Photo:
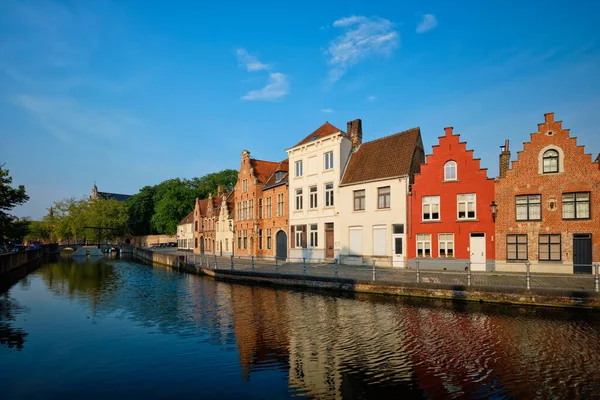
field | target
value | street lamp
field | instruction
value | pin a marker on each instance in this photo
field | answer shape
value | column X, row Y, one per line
column 494, row 209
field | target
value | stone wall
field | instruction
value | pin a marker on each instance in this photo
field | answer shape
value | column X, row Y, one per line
column 10, row 261
column 146, row 241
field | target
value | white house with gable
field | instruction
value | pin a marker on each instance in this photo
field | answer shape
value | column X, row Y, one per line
column 373, row 199
column 224, row 226
column 316, row 164
column 185, row 233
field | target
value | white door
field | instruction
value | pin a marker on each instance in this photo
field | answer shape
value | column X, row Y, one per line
column 477, row 248
column 398, row 244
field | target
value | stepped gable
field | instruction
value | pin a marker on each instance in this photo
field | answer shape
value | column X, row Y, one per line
column 272, row 180
column 323, row 131
column 383, row 158
column 453, row 139
column 551, row 132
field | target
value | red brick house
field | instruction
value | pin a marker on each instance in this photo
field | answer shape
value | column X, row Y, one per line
column 206, row 216
column 261, row 208
column 548, row 209
column 451, row 222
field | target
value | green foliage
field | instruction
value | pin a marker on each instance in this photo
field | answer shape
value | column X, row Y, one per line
column 10, row 227
column 38, row 231
column 158, row 209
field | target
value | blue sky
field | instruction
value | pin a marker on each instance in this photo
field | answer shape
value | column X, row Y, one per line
column 130, row 93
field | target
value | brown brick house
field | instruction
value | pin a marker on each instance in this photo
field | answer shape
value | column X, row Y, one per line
column 261, row 202
column 206, row 215
column 548, row 209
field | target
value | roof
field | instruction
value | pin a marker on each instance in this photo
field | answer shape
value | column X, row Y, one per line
column 202, row 204
column 272, row 180
column 383, row 158
column 113, row 196
column 598, row 158
column 323, row 131
column 188, row 219
column 263, row 169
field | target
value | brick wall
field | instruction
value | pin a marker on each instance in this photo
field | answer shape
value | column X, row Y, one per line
column 577, row 173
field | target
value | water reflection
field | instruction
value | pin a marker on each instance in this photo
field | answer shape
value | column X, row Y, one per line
column 321, row 345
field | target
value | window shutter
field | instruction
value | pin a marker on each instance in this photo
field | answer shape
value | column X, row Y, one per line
column 356, row 241
column 303, row 236
column 293, row 243
column 379, row 241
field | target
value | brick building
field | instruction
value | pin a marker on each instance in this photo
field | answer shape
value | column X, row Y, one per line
column 206, row 215
column 261, row 208
column 451, row 220
column 548, row 211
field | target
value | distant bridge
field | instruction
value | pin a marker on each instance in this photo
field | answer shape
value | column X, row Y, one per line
column 56, row 248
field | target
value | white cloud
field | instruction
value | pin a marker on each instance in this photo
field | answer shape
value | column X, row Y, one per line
column 249, row 61
column 371, row 98
column 327, row 110
column 277, row 87
column 428, row 22
column 363, row 38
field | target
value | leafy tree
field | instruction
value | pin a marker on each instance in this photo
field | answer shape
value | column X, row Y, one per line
column 209, row 183
column 140, row 209
column 38, row 231
column 9, row 198
column 174, row 199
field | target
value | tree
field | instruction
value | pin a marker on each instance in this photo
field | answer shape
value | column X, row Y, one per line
column 140, row 209
column 38, row 231
column 9, row 198
column 173, row 200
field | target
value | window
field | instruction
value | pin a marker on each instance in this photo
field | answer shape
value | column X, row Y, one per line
column 280, row 210
column 446, row 244
column 431, row 208
column 529, row 207
column 359, row 200
column 279, row 176
column 250, row 209
column 196, row 228
column 549, row 248
column 398, row 228
column 356, row 241
column 312, row 197
column 244, row 186
column 329, row 195
column 260, row 204
column 245, row 239
column 516, row 247
column 466, row 206
column 268, row 239
column 226, row 244
column 239, row 240
column 550, row 161
column 423, row 245
column 269, row 211
column 196, row 242
column 260, row 239
column 450, row 171
column 298, row 168
column 576, row 205
column 380, row 236
column 383, row 197
column 298, row 236
column 298, row 199
column 239, row 211
column 314, row 236
column 329, row 160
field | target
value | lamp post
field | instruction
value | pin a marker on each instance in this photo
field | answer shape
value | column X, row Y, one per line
column 494, row 209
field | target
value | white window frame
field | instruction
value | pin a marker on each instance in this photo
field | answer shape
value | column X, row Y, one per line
column 449, row 166
column 422, row 240
column 443, row 240
column 386, row 197
column 329, row 194
column 299, row 199
column 269, row 208
column 244, row 186
column 298, row 229
column 328, row 160
column 314, row 236
column 430, row 201
column 280, row 205
column 313, row 193
column 298, row 168
column 466, row 201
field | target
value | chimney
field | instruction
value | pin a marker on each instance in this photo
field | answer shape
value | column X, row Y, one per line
column 354, row 131
column 504, row 159
column 448, row 130
column 220, row 191
column 598, row 160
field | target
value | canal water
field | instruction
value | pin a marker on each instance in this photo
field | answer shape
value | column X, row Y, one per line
column 118, row 329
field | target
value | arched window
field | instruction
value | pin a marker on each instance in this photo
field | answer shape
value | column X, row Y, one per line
column 450, row 171
column 550, row 161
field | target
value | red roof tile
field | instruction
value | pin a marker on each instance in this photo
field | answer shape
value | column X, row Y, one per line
column 323, row 131
column 263, row 169
column 188, row 219
column 282, row 167
column 383, row 158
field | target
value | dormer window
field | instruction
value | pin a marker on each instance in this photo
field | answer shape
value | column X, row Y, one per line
column 450, row 171
column 550, row 161
column 279, row 175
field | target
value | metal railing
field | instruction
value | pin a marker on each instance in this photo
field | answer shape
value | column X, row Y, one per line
column 324, row 268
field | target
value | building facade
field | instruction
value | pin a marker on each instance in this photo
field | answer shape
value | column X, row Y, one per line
column 185, row 232
column 316, row 164
column 372, row 199
column 451, row 221
column 224, row 228
column 548, row 212
column 260, row 208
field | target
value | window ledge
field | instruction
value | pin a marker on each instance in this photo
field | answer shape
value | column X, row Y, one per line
column 450, row 180
column 431, row 221
column 359, row 211
column 517, row 261
column 383, row 209
column 468, row 220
